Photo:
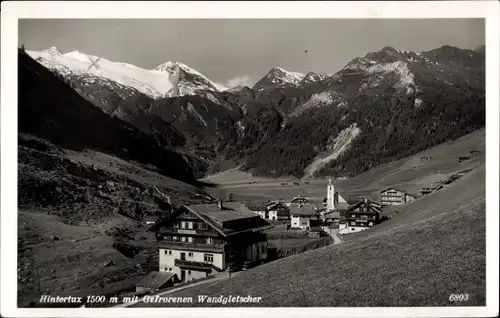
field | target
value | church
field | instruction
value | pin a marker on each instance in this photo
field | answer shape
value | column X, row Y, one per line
column 334, row 205
column 334, row 201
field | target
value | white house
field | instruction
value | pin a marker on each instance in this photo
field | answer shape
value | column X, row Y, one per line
column 203, row 239
column 303, row 216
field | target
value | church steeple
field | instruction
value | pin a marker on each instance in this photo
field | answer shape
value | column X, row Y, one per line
column 330, row 196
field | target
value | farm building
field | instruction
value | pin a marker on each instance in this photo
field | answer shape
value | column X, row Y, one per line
column 393, row 196
column 278, row 211
column 274, row 211
column 155, row 281
column 435, row 187
column 332, row 217
column 462, row 158
column 261, row 210
column 299, row 200
column 304, row 216
column 361, row 216
column 197, row 240
column 314, row 232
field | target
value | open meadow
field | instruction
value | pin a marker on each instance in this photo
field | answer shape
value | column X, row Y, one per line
column 411, row 174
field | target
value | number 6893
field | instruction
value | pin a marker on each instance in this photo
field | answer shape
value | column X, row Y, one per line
column 458, row 297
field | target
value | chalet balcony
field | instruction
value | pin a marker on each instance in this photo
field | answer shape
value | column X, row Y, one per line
column 197, row 266
column 188, row 246
column 191, row 232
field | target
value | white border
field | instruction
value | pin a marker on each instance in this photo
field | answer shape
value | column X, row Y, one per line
column 12, row 11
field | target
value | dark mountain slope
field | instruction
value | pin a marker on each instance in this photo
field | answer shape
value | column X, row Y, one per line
column 378, row 108
column 401, row 103
column 50, row 109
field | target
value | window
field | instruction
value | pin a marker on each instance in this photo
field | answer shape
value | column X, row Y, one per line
column 190, row 239
column 166, row 252
column 190, row 254
column 190, row 225
column 183, row 225
column 353, row 223
column 167, row 269
column 210, row 240
column 208, row 258
column 370, row 224
column 189, row 272
column 174, row 238
column 170, row 269
column 169, row 252
column 183, row 239
column 352, row 229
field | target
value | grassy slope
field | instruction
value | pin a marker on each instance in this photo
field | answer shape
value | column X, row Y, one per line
column 410, row 173
column 73, row 264
column 68, row 265
column 434, row 247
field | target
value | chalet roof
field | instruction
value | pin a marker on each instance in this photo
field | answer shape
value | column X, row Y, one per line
column 233, row 218
column 230, row 211
column 299, row 198
column 332, row 214
column 315, row 229
column 399, row 189
column 256, row 207
column 370, row 205
column 275, row 205
column 303, row 210
column 155, row 280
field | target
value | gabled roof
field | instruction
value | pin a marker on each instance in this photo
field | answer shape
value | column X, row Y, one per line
column 275, row 205
column 155, row 280
column 303, row 210
column 230, row 211
column 398, row 189
column 372, row 207
column 299, row 198
column 233, row 218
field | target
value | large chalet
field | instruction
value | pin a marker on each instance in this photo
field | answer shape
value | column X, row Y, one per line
column 393, row 196
column 200, row 240
column 360, row 216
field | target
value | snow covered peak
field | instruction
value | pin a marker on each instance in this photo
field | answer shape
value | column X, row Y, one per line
column 312, row 77
column 278, row 77
column 165, row 67
column 286, row 75
column 166, row 80
column 52, row 51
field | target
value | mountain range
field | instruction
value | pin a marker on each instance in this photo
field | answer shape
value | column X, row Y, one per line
column 387, row 104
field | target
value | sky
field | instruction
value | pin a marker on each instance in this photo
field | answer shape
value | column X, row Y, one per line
column 241, row 51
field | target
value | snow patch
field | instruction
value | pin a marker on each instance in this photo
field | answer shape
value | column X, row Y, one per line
column 406, row 78
column 418, row 102
column 335, row 148
column 318, row 100
column 193, row 111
